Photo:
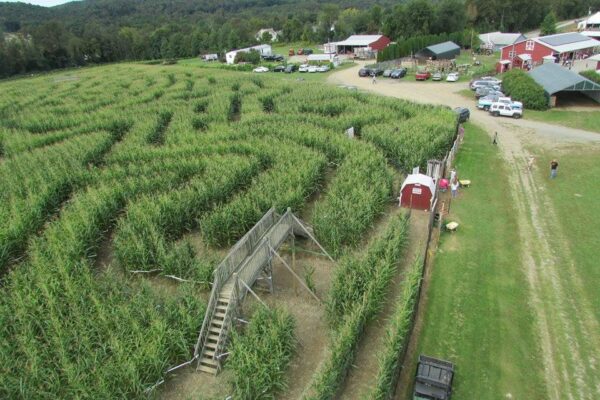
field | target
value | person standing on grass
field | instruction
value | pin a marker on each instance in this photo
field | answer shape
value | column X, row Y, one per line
column 495, row 141
column 553, row 169
column 453, row 175
column 454, row 187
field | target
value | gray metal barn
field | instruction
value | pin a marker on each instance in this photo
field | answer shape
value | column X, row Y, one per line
column 557, row 80
column 440, row 51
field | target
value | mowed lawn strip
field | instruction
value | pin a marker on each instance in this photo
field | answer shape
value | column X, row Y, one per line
column 574, row 196
column 586, row 120
column 477, row 314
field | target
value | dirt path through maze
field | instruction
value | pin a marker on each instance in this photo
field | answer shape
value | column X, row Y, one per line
column 568, row 330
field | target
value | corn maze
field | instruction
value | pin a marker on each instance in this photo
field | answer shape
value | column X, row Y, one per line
column 120, row 165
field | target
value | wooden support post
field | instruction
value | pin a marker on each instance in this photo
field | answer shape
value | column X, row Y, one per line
column 253, row 294
column 312, row 238
column 295, row 275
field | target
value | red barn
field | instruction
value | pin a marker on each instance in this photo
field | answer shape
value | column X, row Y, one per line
column 357, row 43
column 418, row 192
column 562, row 46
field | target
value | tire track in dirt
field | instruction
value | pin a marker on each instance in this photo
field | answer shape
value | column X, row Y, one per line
column 566, row 324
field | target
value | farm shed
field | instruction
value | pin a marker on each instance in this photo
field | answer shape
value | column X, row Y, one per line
column 263, row 49
column 495, row 41
column 418, row 192
column 440, row 51
column 358, row 43
column 563, row 46
column 591, row 26
column 558, row 81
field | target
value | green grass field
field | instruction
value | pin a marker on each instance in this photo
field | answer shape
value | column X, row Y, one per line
column 586, row 120
column 477, row 314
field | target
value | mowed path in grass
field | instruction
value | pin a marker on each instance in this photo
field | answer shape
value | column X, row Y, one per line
column 478, row 313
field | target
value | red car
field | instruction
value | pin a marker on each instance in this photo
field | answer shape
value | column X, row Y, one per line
column 423, row 75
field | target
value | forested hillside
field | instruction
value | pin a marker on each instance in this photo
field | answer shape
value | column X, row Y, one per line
column 96, row 31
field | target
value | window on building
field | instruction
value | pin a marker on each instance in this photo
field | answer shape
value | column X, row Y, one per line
column 512, row 54
column 529, row 45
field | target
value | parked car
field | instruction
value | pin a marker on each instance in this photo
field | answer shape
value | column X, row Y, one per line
column 437, row 76
column 290, row 68
column 433, row 380
column 307, row 52
column 506, row 110
column 312, row 68
column 364, row 72
column 398, row 73
column 491, row 78
column 485, row 83
column 485, row 102
column 261, row 69
column 279, row 68
column 452, row 77
column 463, row 114
column 387, row 73
column 376, row 71
column 273, row 57
column 303, row 68
column 323, row 68
column 423, row 75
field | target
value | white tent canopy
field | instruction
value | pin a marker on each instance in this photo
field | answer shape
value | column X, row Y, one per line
column 420, row 179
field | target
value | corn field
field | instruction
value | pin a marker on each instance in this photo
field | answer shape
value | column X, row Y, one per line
column 114, row 169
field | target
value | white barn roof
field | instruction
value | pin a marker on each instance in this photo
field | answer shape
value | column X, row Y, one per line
column 565, row 42
column 359, row 40
column 500, row 39
column 420, row 179
column 593, row 19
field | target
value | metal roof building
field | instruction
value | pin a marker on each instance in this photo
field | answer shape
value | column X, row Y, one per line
column 555, row 79
column 566, row 42
column 497, row 40
column 440, row 51
column 591, row 26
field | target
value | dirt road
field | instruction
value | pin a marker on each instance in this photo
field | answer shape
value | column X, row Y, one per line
column 567, row 327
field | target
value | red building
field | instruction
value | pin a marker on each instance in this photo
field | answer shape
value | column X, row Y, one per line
column 418, row 192
column 530, row 52
column 362, row 42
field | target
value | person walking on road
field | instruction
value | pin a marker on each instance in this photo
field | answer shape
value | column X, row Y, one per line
column 495, row 141
column 553, row 169
column 374, row 78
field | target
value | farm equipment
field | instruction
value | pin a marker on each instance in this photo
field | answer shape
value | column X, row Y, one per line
column 434, row 379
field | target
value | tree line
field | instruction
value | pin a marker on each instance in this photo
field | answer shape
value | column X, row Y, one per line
column 82, row 33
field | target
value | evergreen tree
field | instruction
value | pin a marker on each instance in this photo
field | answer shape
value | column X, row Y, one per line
column 548, row 25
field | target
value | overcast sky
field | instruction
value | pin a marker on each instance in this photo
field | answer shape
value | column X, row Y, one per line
column 45, row 3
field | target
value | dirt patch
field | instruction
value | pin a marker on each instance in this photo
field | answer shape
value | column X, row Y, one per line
column 364, row 370
column 187, row 384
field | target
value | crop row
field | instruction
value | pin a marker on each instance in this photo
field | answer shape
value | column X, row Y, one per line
column 36, row 183
column 260, row 355
column 357, row 293
column 398, row 333
column 66, row 333
column 145, row 237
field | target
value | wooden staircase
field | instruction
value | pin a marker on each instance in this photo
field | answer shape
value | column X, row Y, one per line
column 218, row 332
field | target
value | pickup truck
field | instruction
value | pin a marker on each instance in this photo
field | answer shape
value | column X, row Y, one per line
column 434, row 379
column 423, row 75
column 486, row 102
column 514, row 109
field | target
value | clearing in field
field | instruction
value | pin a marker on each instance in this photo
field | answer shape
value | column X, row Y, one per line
column 159, row 170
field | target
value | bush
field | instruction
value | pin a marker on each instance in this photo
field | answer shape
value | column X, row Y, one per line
column 591, row 75
column 520, row 86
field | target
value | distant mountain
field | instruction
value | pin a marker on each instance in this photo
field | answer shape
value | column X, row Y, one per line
column 146, row 13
